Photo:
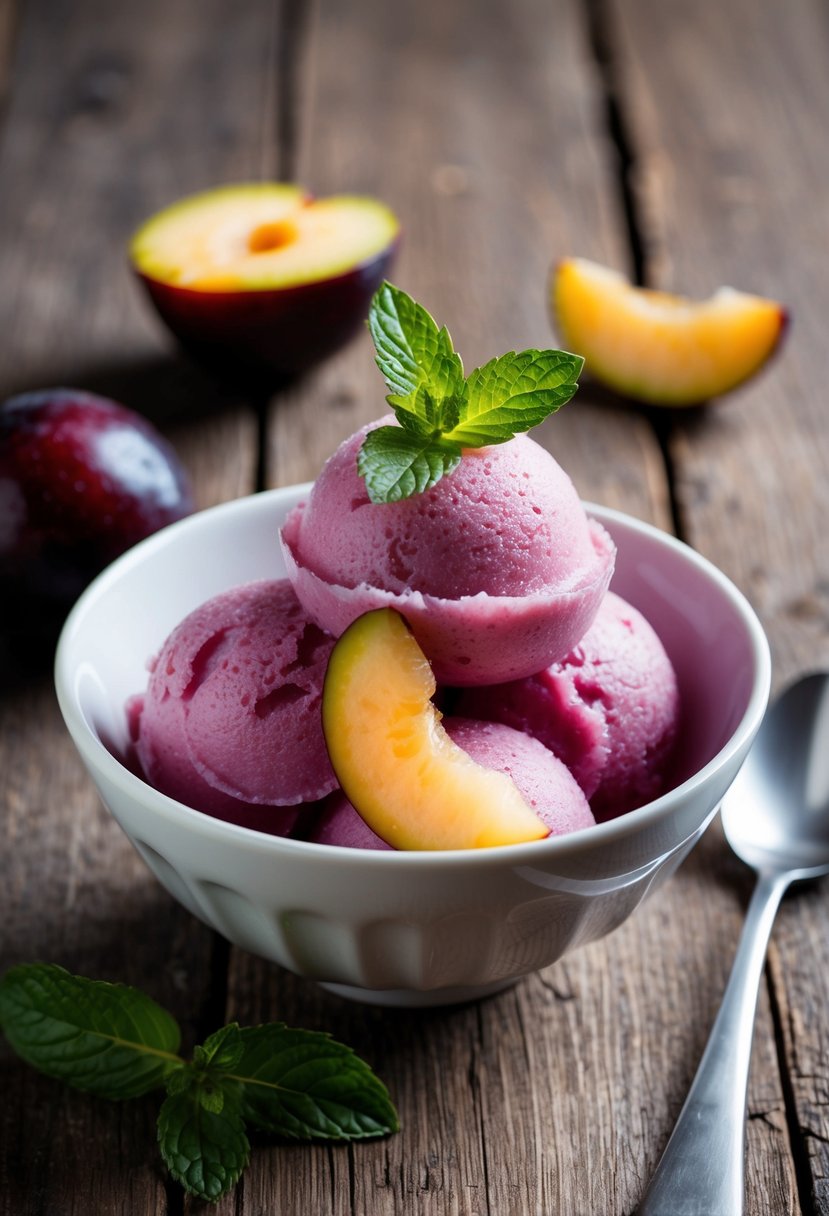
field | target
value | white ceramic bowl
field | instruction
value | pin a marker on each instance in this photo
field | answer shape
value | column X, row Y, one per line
column 407, row 928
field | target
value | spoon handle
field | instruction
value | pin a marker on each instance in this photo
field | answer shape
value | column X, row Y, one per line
column 701, row 1170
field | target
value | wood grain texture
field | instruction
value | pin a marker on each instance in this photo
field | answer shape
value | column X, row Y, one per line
column 8, row 9
column 725, row 123
column 557, row 1095
column 485, row 127
column 437, row 122
column 106, row 121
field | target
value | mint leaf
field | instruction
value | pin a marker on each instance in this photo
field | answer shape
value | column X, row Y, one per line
column 513, row 393
column 412, row 353
column 397, row 462
column 204, row 1149
column 301, row 1084
column 117, row 1043
column 221, row 1050
column 439, row 411
column 106, row 1038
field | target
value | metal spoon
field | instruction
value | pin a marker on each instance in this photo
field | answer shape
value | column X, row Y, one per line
column 776, row 818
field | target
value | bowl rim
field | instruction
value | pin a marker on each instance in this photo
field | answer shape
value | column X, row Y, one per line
column 584, row 840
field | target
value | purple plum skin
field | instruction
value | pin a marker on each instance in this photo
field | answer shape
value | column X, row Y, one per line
column 82, row 478
column 269, row 336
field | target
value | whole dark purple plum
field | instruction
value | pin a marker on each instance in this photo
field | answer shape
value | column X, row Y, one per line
column 82, row 478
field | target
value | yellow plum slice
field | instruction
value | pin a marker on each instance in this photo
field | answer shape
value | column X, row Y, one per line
column 413, row 786
column 660, row 348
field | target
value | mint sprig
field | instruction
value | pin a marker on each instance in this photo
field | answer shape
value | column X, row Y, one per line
column 116, row 1042
column 439, row 410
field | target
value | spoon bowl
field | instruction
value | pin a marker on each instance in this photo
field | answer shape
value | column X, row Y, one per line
column 776, row 814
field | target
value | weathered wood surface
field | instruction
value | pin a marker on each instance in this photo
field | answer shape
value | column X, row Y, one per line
column 725, row 123
column 94, row 89
column 487, row 128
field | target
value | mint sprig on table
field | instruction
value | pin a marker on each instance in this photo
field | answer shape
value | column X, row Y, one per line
column 114, row 1041
column 440, row 410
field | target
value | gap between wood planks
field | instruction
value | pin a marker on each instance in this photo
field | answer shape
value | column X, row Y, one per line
column 291, row 22
column 599, row 23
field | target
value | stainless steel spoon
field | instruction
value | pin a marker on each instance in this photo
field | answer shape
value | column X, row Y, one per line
column 776, row 818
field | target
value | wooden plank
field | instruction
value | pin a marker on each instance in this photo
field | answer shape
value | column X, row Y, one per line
column 436, row 124
column 554, row 1096
column 7, row 27
column 726, row 104
column 112, row 113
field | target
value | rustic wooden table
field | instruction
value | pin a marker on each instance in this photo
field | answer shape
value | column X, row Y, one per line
column 684, row 142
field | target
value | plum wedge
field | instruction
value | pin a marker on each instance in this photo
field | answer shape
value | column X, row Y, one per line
column 660, row 348
column 397, row 765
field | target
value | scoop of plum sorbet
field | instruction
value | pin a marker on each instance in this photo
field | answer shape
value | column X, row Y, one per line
column 231, row 716
column 609, row 709
column 496, row 567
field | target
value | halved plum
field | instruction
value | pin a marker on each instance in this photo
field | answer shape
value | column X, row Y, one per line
column 261, row 280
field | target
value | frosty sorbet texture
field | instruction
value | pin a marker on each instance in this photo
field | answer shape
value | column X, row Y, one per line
column 231, row 717
column 609, row 709
column 496, row 568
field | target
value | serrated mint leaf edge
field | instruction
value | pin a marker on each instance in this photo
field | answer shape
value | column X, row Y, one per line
column 170, row 1125
column 500, row 406
column 267, row 1101
column 47, row 1051
column 398, row 325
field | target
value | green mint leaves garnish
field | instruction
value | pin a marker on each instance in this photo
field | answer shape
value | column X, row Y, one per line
column 204, row 1149
column 439, row 410
column 106, row 1038
column 117, row 1043
column 397, row 462
column 302, row 1085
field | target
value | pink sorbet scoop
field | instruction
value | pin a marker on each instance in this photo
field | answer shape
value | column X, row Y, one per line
column 231, row 717
column 609, row 709
column 496, row 568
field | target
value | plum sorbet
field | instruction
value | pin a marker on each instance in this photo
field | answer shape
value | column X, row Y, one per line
column 609, row 709
column 231, row 716
column 497, row 568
